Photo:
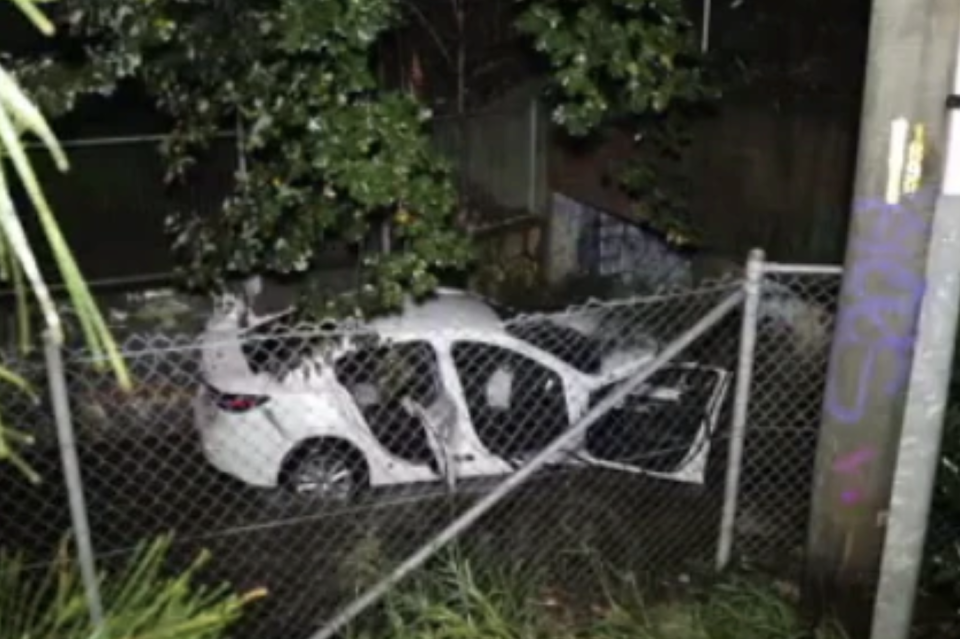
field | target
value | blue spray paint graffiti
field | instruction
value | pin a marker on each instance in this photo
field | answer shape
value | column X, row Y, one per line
column 876, row 333
column 885, row 292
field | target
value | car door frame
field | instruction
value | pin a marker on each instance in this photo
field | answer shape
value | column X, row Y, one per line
column 418, row 473
column 575, row 386
column 692, row 468
column 578, row 388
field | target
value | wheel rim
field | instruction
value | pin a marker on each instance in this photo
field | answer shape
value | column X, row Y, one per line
column 324, row 478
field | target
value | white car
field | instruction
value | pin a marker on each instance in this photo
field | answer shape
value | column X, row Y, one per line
column 442, row 392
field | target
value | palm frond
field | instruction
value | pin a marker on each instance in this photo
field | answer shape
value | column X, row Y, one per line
column 19, row 117
column 141, row 602
column 35, row 15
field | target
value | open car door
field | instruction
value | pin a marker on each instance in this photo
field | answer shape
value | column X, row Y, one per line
column 665, row 427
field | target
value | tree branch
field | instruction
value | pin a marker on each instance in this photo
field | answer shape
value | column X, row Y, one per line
column 422, row 18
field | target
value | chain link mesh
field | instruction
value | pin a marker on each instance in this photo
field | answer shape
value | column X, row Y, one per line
column 936, row 606
column 794, row 331
column 35, row 513
column 310, row 459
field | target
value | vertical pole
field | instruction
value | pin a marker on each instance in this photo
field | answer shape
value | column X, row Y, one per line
column 241, row 149
column 909, row 63
column 73, row 479
column 741, row 404
column 919, row 453
column 533, row 172
column 386, row 238
column 705, row 29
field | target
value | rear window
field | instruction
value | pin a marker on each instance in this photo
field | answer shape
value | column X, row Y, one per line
column 389, row 372
column 275, row 346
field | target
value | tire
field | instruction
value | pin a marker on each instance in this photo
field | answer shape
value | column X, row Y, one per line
column 326, row 471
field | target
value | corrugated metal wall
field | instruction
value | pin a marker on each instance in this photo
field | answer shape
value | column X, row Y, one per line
column 503, row 150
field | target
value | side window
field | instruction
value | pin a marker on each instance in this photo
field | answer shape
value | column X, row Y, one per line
column 380, row 379
column 275, row 348
column 387, row 374
column 516, row 404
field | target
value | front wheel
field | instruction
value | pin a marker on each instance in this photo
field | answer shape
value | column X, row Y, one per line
column 328, row 472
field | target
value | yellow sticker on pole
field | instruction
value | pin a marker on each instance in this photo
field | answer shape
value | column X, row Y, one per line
column 915, row 152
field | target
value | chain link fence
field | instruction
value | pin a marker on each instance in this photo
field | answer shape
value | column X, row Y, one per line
column 793, row 331
column 326, row 462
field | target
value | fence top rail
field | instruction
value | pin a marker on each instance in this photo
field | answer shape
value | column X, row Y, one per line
column 119, row 140
column 657, row 313
column 136, row 282
column 802, row 269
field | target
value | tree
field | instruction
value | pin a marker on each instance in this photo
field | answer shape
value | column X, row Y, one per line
column 631, row 64
column 625, row 66
column 332, row 156
column 614, row 59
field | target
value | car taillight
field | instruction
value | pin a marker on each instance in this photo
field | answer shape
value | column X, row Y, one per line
column 234, row 403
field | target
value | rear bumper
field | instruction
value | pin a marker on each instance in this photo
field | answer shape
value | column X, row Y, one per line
column 248, row 446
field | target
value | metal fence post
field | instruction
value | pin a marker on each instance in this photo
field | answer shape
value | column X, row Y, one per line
column 533, row 157
column 71, row 472
column 741, row 402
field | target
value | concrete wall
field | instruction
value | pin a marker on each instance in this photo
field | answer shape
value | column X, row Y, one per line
column 586, row 241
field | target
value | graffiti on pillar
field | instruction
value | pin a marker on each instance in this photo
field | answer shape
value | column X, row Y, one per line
column 851, row 463
column 876, row 333
column 852, row 467
column 885, row 285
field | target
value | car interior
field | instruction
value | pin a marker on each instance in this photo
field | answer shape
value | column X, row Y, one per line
column 517, row 405
column 382, row 380
column 651, row 432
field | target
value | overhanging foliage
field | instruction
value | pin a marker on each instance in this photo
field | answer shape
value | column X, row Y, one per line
column 331, row 155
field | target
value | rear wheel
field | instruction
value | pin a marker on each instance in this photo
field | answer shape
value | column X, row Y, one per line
column 325, row 471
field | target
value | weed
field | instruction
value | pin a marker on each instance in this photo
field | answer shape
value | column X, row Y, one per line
column 462, row 599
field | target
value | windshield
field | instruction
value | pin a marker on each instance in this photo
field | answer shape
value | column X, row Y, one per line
column 566, row 344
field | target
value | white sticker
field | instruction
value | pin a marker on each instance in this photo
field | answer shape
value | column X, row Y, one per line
column 899, row 130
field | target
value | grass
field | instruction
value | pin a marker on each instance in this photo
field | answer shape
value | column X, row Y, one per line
column 460, row 599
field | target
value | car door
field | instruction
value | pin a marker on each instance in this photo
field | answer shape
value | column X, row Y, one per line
column 398, row 388
column 665, row 427
column 517, row 405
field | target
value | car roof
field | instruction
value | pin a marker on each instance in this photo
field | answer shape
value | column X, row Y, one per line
column 446, row 310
